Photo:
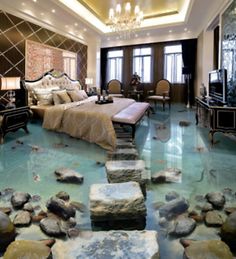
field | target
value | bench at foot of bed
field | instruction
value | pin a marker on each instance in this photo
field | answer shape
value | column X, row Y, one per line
column 131, row 115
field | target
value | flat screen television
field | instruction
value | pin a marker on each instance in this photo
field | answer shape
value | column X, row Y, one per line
column 218, row 85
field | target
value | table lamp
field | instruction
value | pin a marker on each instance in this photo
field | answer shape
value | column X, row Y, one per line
column 88, row 82
column 9, row 84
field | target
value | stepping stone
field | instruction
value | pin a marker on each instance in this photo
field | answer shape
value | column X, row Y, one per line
column 67, row 175
column 123, row 154
column 116, row 201
column 170, row 175
column 121, row 171
column 109, row 244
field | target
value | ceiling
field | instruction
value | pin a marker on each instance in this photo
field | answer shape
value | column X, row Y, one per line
column 85, row 20
column 150, row 8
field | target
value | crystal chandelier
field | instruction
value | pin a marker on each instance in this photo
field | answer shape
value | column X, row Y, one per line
column 125, row 22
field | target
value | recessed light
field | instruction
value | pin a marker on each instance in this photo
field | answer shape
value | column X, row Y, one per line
column 136, row 35
column 85, row 29
column 108, row 38
column 76, row 24
column 23, row 4
column 185, row 29
column 35, row 1
column 170, row 31
column 42, row 14
column 66, row 26
column 53, row 10
column 148, row 34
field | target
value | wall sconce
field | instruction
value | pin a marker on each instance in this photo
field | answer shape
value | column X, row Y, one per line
column 9, row 84
column 88, row 82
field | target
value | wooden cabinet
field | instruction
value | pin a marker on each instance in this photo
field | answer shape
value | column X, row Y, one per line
column 215, row 117
column 13, row 119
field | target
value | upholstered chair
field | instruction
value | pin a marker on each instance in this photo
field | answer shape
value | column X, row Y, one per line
column 114, row 88
column 161, row 93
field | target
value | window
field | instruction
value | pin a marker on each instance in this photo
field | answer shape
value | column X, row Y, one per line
column 173, row 64
column 142, row 63
column 114, row 65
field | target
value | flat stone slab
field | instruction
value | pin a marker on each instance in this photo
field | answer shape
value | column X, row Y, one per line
column 110, row 244
column 123, row 154
column 120, row 171
column 170, row 175
column 68, row 175
column 116, row 201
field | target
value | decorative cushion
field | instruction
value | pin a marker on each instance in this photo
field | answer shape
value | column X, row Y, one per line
column 64, row 97
column 55, row 97
column 75, row 95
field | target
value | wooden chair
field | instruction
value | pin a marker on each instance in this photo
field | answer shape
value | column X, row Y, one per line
column 114, row 88
column 161, row 93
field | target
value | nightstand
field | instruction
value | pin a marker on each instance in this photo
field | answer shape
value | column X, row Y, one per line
column 13, row 119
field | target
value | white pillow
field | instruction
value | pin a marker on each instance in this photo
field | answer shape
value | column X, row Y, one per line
column 43, row 96
column 83, row 93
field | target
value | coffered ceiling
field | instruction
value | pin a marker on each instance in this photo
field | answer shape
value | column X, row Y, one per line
column 151, row 8
column 86, row 20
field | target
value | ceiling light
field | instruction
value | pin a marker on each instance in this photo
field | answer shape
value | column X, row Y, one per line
column 42, row 14
column 53, row 10
column 170, row 31
column 23, row 4
column 148, row 34
column 66, row 26
column 85, row 29
column 124, row 21
column 76, row 24
column 35, row 1
column 185, row 29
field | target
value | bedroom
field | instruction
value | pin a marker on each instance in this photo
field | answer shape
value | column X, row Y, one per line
column 160, row 140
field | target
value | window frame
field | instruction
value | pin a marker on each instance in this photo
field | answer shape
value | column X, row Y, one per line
column 174, row 67
column 142, row 61
column 117, row 59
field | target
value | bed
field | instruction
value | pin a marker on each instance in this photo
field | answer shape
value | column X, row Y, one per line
column 82, row 117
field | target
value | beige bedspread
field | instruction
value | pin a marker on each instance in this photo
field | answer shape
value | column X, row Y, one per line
column 88, row 121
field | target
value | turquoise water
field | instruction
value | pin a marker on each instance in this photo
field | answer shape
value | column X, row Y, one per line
column 161, row 142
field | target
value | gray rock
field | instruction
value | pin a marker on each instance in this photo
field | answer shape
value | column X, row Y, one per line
column 7, row 231
column 116, row 201
column 163, row 222
column 18, row 199
column 170, row 175
column 28, row 207
column 111, row 244
column 213, row 219
column 157, row 205
column 228, row 231
column 174, row 208
column 171, row 196
column 207, row 207
column 217, row 199
column 183, row 226
column 51, row 227
column 63, row 195
column 207, row 249
column 27, row 249
column 120, row 171
column 68, row 176
column 60, row 208
column 123, row 154
column 22, row 219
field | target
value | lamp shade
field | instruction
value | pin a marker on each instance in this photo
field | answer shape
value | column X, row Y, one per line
column 88, row 81
column 10, row 83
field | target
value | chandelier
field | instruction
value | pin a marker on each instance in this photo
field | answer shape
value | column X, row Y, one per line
column 126, row 21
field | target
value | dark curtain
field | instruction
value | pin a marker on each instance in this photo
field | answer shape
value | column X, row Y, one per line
column 189, row 52
column 103, row 68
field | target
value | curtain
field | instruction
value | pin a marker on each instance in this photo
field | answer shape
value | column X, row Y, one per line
column 189, row 51
column 103, row 68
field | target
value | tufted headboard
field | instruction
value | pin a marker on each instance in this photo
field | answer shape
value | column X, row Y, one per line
column 48, row 81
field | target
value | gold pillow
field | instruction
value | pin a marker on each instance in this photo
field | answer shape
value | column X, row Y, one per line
column 75, row 95
column 64, row 97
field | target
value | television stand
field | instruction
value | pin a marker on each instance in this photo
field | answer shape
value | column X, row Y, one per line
column 215, row 116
